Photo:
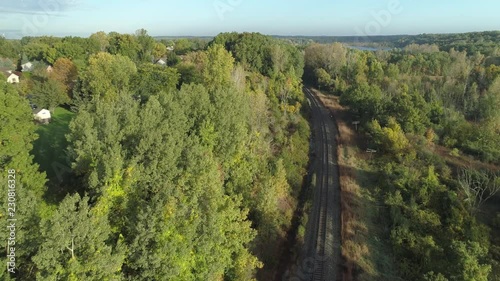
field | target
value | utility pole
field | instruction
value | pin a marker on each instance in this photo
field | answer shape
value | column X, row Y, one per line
column 371, row 152
column 356, row 123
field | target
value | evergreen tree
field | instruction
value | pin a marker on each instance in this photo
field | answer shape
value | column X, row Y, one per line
column 17, row 134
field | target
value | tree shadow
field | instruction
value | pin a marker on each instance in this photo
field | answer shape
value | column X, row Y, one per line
column 50, row 153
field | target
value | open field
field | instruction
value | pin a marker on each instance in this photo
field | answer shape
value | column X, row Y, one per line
column 49, row 148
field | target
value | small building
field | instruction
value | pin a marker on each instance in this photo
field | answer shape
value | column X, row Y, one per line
column 27, row 67
column 161, row 62
column 12, row 77
column 42, row 115
column 170, row 48
column 49, row 69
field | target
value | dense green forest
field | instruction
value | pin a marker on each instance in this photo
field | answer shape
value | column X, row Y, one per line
column 419, row 107
column 192, row 170
column 485, row 43
column 184, row 171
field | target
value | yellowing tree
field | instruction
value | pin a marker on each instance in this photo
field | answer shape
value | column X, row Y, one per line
column 391, row 138
column 218, row 67
column 65, row 72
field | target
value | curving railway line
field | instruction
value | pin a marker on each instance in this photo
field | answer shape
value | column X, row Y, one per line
column 322, row 245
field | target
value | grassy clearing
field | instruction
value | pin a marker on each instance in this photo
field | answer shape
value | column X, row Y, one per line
column 365, row 245
column 49, row 148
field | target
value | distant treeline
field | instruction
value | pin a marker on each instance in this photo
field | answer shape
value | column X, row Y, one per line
column 482, row 42
column 472, row 42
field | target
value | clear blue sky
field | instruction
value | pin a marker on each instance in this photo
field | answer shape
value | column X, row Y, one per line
column 278, row 17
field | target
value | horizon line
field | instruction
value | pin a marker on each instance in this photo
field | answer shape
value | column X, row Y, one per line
column 273, row 35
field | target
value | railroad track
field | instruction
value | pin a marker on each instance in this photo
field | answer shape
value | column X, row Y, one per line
column 324, row 242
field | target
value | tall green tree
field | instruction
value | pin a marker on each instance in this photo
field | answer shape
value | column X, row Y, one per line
column 146, row 45
column 77, row 245
column 107, row 76
column 218, row 67
column 8, row 48
column 153, row 79
column 49, row 94
column 324, row 79
column 151, row 159
column 331, row 58
column 124, row 44
column 17, row 134
column 98, row 42
column 468, row 256
column 390, row 139
column 159, row 50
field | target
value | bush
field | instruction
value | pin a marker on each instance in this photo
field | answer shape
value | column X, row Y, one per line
column 496, row 221
column 455, row 152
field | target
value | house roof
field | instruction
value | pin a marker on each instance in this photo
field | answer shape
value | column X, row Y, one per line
column 27, row 66
column 38, row 110
column 9, row 73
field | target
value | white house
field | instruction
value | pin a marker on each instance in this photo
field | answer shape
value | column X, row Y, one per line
column 161, row 62
column 49, row 69
column 170, row 49
column 42, row 115
column 12, row 78
column 27, row 66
